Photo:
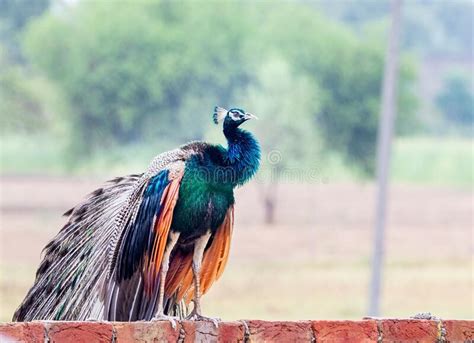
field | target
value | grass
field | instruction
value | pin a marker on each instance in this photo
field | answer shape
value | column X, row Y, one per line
column 294, row 291
column 433, row 161
column 38, row 154
column 416, row 160
column 46, row 155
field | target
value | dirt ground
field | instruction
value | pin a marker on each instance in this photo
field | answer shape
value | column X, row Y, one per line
column 314, row 263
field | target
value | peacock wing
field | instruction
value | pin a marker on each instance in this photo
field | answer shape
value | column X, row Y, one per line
column 132, row 289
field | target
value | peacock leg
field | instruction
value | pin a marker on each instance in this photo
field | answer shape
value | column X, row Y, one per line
column 172, row 239
column 198, row 254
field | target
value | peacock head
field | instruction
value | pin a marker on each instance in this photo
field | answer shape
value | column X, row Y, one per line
column 233, row 117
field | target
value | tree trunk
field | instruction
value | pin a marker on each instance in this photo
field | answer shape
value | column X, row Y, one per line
column 269, row 203
column 269, row 199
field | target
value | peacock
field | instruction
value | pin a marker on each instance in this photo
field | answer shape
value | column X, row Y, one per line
column 143, row 246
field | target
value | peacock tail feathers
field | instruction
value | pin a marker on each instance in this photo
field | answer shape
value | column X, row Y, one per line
column 67, row 284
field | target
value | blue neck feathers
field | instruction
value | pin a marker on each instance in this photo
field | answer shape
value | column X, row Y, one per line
column 243, row 153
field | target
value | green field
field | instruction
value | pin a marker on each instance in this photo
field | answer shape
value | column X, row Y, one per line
column 416, row 160
column 436, row 161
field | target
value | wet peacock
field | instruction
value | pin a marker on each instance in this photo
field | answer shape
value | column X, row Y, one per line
column 144, row 246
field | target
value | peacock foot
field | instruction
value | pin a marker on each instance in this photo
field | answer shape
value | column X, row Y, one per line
column 164, row 317
column 197, row 317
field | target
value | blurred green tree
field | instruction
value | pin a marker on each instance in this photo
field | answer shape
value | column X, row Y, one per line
column 150, row 71
column 22, row 93
column 348, row 71
column 23, row 108
column 456, row 102
column 14, row 16
column 431, row 28
column 286, row 130
column 129, row 70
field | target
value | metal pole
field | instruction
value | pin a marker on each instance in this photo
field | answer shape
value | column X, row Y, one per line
column 384, row 142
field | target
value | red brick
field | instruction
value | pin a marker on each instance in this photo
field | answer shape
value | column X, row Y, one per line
column 345, row 331
column 259, row 331
column 231, row 332
column 207, row 332
column 263, row 331
column 459, row 330
column 199, row 331
column 394, row 330
column 22, row 332
column 79, row 332
column 158, row 331
column 188, row 330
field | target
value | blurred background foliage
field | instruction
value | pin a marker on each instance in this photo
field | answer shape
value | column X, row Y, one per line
column 110, row 83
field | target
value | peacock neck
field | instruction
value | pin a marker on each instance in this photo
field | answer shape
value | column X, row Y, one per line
column 242, row 155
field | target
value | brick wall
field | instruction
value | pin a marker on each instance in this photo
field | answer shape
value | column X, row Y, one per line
column 386, row 330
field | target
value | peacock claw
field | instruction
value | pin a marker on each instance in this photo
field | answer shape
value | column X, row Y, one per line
column 164, row 317
column 197, row 317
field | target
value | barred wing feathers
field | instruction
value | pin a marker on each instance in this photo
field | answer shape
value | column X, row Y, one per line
column 132, row 290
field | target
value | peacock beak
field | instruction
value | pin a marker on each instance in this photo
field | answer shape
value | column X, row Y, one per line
column 250, row 116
